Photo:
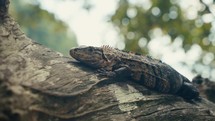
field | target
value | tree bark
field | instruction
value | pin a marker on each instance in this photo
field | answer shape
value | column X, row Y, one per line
column 38, row 84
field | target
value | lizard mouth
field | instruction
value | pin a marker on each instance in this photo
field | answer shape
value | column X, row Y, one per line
column 72, row 53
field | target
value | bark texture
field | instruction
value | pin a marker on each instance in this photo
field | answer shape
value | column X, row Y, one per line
column 38, row 84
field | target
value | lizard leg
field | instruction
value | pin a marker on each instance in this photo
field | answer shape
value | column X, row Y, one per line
column 188, row 91
column 106, row 73
column 121, row 72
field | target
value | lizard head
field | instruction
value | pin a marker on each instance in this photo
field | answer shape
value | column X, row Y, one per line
column 91, row 56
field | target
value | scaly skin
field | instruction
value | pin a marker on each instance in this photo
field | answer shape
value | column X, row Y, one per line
column 149, row 72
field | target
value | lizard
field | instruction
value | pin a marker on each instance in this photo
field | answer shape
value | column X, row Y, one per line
column 145, row 70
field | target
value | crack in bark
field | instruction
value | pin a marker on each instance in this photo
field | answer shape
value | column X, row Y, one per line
column 164, row 110
column 24, row 47
column 76, row 115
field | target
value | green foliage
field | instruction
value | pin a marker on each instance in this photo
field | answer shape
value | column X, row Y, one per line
column 42, row 26
column 136, row 21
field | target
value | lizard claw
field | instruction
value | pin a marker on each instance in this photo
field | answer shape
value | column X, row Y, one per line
column 106, row 73
column 101, row 70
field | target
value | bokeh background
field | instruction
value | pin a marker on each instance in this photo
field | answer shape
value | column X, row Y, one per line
column 179, row 32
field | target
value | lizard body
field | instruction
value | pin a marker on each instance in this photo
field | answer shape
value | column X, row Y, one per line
column 145, row 70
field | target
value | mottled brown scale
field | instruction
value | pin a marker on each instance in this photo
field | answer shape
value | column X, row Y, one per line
column 144, row 70
column 151, row 75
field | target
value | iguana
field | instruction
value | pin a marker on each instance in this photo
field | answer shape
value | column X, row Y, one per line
column 144, row 70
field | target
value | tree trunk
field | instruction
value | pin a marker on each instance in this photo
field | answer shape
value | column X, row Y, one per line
column 38, row 84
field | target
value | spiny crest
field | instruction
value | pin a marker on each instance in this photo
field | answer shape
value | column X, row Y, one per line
column 108, row 52
column 107, row 48
column 132, row 53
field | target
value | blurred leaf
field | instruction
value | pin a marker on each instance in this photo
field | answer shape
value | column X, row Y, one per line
column 42, row 26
